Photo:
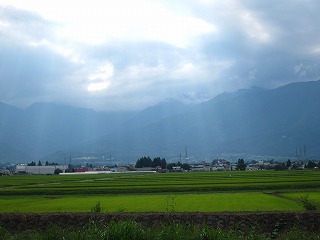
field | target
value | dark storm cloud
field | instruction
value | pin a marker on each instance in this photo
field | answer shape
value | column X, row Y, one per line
column 291, row 40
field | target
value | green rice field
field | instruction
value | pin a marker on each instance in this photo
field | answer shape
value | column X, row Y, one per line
column 166, row 192
column 209, row 202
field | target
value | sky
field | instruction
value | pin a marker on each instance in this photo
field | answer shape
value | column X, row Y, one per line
column 123, row 55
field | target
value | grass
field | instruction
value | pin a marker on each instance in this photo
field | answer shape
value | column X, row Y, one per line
column 173, row 192
column 211, row 202
column 131, row 230
column 310, row 201
column 313, row 196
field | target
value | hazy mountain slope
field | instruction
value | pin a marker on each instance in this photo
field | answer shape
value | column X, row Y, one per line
column 11, row 132
column 44, row 128
column 157, row 113
column 123, row 141
column 255, row 121
column 56, row 126
column 9, row 154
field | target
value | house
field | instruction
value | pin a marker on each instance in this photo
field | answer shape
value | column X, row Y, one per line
column 251, row 167
column 81, row 169
column 177, row 169
column 144, row 169
column 4, row 172
column 200, row 168
column 218, row 168
column 121, row 169
column 221, row 165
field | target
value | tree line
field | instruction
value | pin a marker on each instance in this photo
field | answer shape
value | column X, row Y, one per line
column 147, row 162
column 297, row 165
column 33, row 163
column 241, row 165
column 158, row 162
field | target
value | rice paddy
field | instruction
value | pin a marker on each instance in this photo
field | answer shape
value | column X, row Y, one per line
column 169, row 192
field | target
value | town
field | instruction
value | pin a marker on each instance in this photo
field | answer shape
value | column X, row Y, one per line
column 157, row 165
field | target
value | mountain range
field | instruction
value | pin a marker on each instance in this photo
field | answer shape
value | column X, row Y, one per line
column 278, row 122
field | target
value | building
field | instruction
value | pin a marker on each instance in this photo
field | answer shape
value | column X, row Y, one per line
column 176, row 169
column 204, row 167
column 221, row 165
column 24, row 169
column 4, row 172
column 120, row 169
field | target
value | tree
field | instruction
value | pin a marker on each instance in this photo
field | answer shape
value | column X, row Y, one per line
column 39, row 163
column 186, row 167
column 214, row 162
column 70, row 169
column 171, row 165
column 311, row 164
column 57, row 171
column 241, row 165
column 32, row 163
column 156, row 162
column 144, row 162
column 288, row 164
column 280, row 166
column 163, row 163
column 254, row 162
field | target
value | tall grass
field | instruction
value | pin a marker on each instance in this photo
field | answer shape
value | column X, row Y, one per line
column 130, row 230
column 97, row 208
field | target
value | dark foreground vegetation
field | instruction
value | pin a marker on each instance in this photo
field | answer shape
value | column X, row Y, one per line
column 275, row 225
column 132, row 230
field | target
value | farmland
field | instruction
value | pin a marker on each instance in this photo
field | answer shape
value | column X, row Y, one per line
column 142, row 192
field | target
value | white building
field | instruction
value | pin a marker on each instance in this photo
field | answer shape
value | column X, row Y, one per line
column 24, row 169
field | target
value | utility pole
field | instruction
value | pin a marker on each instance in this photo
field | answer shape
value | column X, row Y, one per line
column 70, row 160
column 186, row 152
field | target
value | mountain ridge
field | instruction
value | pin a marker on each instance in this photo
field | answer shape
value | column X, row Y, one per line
column 252, row 121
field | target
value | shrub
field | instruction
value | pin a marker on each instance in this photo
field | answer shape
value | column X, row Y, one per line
column 4, row 234
column 57, row 171
column 169, row 202
column 307, row 204
column 97, row 208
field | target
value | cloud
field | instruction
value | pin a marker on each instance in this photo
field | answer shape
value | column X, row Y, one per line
column 127, row 55
column 96, row 22
column 100, row 80
column 16, row 23
column 269, row 39
column 27, row 70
